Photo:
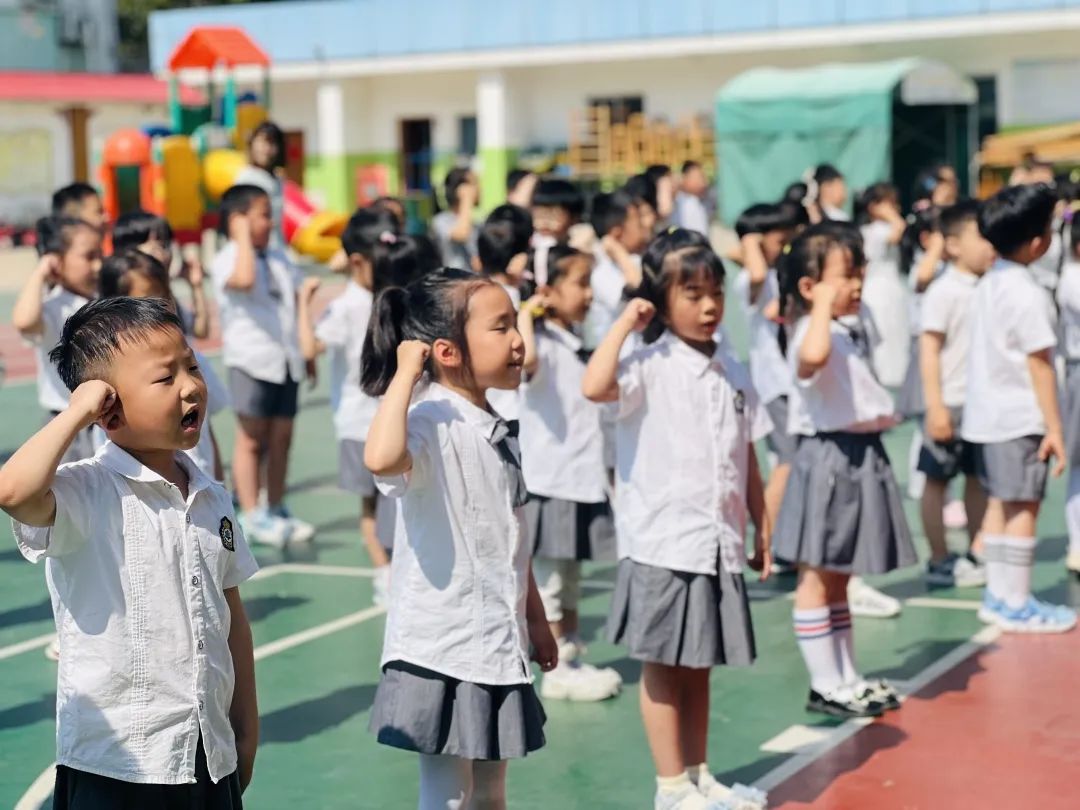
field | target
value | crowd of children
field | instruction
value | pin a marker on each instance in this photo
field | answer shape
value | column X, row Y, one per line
column 513, row 397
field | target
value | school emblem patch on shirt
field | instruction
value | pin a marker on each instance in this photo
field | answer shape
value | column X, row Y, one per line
column 225, row 532
column 740, row 402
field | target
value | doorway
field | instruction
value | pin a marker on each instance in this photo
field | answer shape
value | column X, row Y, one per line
column 416, row 155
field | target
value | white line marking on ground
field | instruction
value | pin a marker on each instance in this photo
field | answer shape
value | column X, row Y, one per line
column 798, row 739
column 42, row 787
column 25, row 646
column 947, row 604
column 835, row 736
column 39, row 792
column 317, row 570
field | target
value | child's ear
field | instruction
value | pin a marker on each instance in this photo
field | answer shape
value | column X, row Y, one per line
column 113, row 419
column 446, row 354
column 952, row 246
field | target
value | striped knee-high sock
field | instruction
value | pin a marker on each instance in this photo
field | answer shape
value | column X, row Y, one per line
column 813, row 631
column 843, row 641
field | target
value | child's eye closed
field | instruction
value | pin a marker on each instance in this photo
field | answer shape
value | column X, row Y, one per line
column 164, row 380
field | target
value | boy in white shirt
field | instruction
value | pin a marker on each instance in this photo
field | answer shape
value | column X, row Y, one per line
column 257, row 288
column 944, row 345
column 156, row 695
column 1012, row 406
column 690, row 211
column 620, row 241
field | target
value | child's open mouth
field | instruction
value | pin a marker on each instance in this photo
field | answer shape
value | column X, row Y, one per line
column 190, row 420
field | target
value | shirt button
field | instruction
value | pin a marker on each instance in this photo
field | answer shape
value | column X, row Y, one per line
column 200, row 704
column 195, row 581
column 188, row 519
column 200, row 644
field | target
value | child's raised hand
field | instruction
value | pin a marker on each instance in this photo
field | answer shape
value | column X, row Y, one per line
column 824, row 294
column 467, row 195
column 1053, row 444
column 191, row 269
column 309, row 287
column 537, row 305
column 48, row 269
column 545, row 650
column 935, row 243
column 411, row 357
column 771, row 311
column 240, row 228
column 614, row 248
column 638, row 314
column 93, row 401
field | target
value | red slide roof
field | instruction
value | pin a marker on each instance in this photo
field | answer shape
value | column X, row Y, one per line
column 210, row 46
column 89, row 88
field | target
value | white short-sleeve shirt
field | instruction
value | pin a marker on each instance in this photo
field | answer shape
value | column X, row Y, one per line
column 342, row 329
column 946, row 309
column 1009, row 322
column 461, row 564
column 562, row 445
column 690, row 213
column 607, row 283
column 58, row 306
column 877, row 245
column 137, row 577
column 844, row 395
column 1068, row 297
column 683, row 437
column 768, row 368
column 258, row 326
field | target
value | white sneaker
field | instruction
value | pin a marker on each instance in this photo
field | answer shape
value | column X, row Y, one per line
column 261, row 527
column 573, row 680
column 572, row 650
column 968, row 574
column 52, row 650
column 736, row 797
column 300, row 531
column 382, row 586
column 1072, row 562
column 686, row 799
column 866, row 601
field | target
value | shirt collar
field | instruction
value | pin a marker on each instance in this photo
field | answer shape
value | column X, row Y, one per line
column 695, row 360
column 123, row 463
column 563, row 336
column 490, row 426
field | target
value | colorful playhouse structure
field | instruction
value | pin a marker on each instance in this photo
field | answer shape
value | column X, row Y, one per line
column 180, row 171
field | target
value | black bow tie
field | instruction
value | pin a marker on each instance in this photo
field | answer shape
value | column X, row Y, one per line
column 504, row 428
column 504, row 440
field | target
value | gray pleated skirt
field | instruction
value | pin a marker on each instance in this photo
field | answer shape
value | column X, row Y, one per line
column 910, row 401
column 419, row 710
column 1071, row 414
column 842, row 509
column 681, row 619
column 565, row 530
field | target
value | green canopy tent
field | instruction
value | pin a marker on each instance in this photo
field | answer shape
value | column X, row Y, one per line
column 873, row 121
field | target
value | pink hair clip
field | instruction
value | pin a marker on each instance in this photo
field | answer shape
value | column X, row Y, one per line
column 388, row 238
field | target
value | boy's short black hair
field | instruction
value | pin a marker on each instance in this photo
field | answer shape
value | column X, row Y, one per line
column 56, row 234
column 66, row 200
column 519, row 218
column 1016, row 215
column 137, row 228
column 642, row 189
column 515, row 176
column 94, row 334
column 455, row 178
column 689, row 165
column 609, row 211
column 657, row 171
column 273, row 133
column 237, row 200
column 554, row 192
column 496, row 244
column 955, row 217
column 114, row 280
column 763, row 218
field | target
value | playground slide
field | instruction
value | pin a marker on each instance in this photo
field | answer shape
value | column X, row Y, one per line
column 309, row 231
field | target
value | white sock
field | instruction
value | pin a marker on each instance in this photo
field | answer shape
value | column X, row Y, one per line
column 813, row 631
column 916, row 479
column 673, row 784
column 1008, row 567
column 843, row 641
column 445, row 782
column 1072, row 510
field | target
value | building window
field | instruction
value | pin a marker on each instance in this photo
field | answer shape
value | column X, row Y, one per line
column 986, row 106
column 467, row 135
column 622, row 107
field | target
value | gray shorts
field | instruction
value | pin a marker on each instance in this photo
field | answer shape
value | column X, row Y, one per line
column 943, row 462
column 353, row 476
column 259, row 399
column 782, row 443
column 1011, row 471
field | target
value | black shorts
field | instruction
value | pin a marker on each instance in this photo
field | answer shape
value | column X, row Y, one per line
column 80, row 790
column 259, row 399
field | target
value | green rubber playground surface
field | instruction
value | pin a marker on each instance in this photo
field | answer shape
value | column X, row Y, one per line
column 318, row 640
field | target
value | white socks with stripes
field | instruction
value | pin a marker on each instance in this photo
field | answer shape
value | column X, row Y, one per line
column 813, row 631
column 844, row 642
column 1008, row 568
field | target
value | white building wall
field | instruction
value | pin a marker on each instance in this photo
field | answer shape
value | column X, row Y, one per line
column 35, row 158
